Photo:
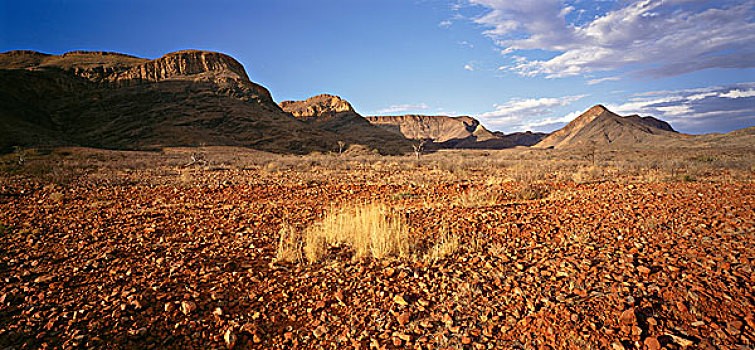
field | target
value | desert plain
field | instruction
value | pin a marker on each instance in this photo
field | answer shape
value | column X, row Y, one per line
column 218, row 247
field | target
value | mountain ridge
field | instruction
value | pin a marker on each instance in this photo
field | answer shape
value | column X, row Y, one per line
column 334, row 114
column 106, row 100
column 600, row 126
column 452, row 132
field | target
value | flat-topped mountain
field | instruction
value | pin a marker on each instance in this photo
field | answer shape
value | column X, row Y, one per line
column 452, row 132
column 334, row 114
column 111, row 100
column 599, row 126
column 439, row 129
column 320, row 107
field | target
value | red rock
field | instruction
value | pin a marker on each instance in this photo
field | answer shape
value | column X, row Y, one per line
column 230, row 338
column 651, row 343
column 628, row 317
column 187, row 307
column 399, row 299
column 404, row 318
column 466, row 340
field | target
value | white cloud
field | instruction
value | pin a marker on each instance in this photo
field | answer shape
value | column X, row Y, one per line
column 466, row 44
column 402, row 108
column 718, row 108
column 527, row 114
column 445, row 24
column 602, row 80
column 657, row 37
column 469, row 67
column 739, row 93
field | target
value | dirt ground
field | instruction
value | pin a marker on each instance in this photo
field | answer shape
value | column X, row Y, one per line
column 561, row 250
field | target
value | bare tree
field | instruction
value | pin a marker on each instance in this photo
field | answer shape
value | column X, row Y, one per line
column 196, row 158
column 592, row 149
column 419, row 147
column 21, row 154
column 341, row 145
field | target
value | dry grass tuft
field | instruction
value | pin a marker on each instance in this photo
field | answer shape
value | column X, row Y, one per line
column 588, row 174
column 289, row 244
column 447, row 244
column 475, row 198
column 371, row 230
column 532, row 192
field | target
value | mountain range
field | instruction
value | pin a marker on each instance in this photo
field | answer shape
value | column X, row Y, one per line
column 193, row 98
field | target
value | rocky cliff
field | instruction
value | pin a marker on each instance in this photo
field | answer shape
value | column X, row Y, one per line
column 450, row 132
column 112, row 100
column 317, row 107
column 334, row 114
column 439, row 129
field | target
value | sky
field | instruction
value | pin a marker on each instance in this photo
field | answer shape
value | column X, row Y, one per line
column 515, row 65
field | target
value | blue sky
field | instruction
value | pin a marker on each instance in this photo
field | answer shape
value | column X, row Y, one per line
column 516, row 65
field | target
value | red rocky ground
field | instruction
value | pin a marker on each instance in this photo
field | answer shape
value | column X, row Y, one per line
column 180, row 265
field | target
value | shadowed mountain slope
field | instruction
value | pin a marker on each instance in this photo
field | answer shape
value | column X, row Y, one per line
column 112, row 100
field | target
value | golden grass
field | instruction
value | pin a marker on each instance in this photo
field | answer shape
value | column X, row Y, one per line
column 289, row 244
column 448, row 243
column 371, row 230
column 475, row 198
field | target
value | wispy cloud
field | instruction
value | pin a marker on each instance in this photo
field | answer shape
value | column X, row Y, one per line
column 602, row 80
column 402, row 108
column 655, row 37
column 445, row 24
column 466, row 44
column 720, row 108
column 527, row 114
column 469, row 67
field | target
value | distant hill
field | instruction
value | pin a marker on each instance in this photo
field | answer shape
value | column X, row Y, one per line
column 111, row 100
column 599, row 126
column 452, row 132
column 334, row 114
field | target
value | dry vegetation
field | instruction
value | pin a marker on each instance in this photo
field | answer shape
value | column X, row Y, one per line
column 457, row 249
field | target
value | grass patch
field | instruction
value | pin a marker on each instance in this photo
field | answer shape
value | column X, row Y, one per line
column 448, row 243
column 290, row 245
column 531, row 192
column 363, row 231
column 475, row 198
column 370, row 230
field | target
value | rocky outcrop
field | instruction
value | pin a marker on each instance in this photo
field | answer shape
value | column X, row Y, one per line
column 439, row 129
column 334, row 114
column 599, row 126
column 317, row 107
column 117, row 70
column 452, row 132
column 111, row 100
column 188, row 64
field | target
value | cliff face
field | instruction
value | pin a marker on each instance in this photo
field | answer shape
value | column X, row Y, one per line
column 599, row 126
column 439, row 129
column 111, row 100
column 118, row 70
column 452, row 132
column 317, row 107
column 333, row 114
